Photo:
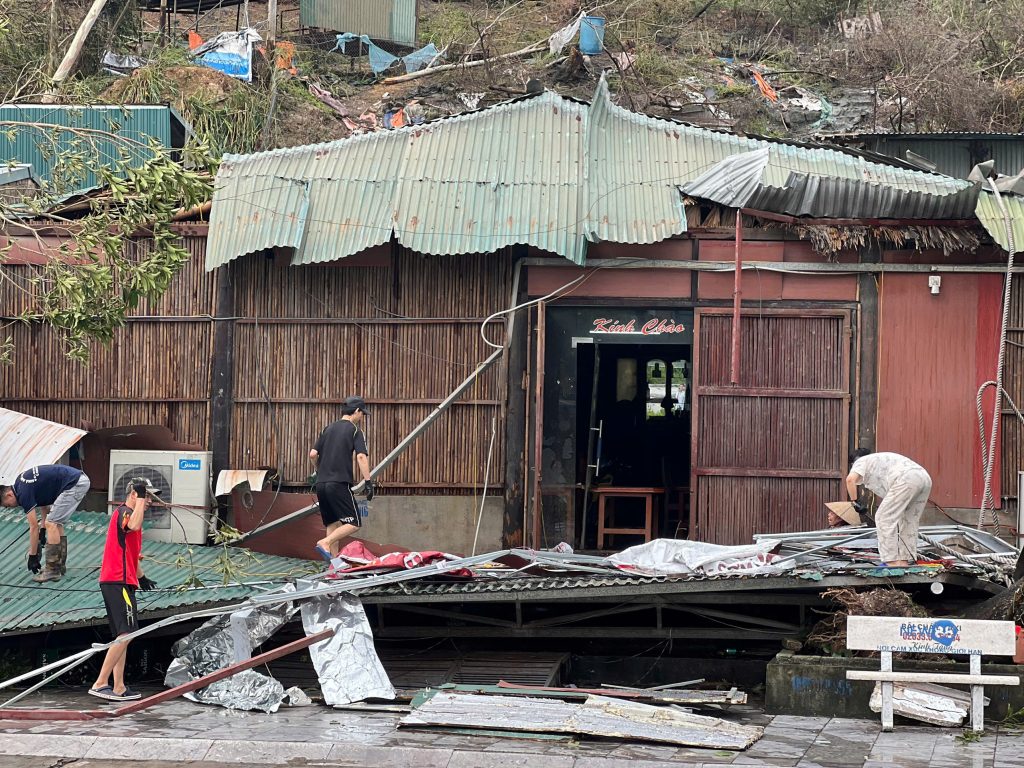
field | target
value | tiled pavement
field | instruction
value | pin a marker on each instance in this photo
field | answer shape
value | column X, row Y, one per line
column 182, row 731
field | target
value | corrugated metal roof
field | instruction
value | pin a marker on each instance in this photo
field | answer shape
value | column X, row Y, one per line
column 27, row 441
column 137, row 122
column 546, row 171
column 380, row 19
column 76, row 598
column 991, row 217
column 743, row 181
column 954, row 154
column 9, row 174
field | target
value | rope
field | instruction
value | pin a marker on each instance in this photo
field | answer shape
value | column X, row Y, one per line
column 970, row 559
column 988, row 458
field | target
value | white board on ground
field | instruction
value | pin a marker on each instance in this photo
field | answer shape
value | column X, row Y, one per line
column 926, row 702
column 913, row 635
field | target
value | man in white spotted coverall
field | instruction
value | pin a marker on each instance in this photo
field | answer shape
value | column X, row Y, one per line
column 903, row 486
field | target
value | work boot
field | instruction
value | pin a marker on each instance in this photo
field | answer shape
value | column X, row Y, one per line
column 63, row 555
column 51, row 572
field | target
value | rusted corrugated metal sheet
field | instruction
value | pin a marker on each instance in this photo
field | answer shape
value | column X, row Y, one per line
column 771, row 451
column 26, row 441
column 933, row 354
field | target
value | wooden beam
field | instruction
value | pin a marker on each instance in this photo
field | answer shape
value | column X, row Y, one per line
column 173, row 693
column 223, row 674
column 222, row 379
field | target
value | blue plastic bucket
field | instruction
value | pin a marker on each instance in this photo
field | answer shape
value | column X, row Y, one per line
column 592, row 35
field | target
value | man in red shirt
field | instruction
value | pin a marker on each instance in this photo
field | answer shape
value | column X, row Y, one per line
column 120, row 576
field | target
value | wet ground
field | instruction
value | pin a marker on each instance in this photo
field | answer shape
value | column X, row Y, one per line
column 181, row 731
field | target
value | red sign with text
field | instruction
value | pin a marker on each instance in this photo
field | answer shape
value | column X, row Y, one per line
column 650, row 328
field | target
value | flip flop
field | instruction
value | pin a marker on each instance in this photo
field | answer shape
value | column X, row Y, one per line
column 324, row 553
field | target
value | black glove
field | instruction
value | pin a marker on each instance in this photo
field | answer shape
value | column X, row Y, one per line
column 861, row 509
column 34, row 563
column 146, row 583
column 369, row 490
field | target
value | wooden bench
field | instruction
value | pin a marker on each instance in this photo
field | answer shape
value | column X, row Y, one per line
column 962, row 637
column 605, row 492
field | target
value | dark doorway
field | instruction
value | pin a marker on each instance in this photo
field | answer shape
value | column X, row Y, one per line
column 641, row 435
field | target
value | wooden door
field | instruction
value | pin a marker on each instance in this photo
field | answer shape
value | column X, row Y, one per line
column 770, row 451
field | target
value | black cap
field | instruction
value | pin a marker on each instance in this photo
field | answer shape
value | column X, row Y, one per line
column 356, row 402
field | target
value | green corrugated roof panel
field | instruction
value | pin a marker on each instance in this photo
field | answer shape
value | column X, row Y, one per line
column 136, row 122
column 545, row 171
column 992, row 218
column 76, row 600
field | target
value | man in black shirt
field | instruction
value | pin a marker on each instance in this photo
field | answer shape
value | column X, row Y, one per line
column 332, row 457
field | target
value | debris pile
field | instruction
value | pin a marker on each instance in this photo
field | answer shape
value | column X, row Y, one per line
column 829, row 634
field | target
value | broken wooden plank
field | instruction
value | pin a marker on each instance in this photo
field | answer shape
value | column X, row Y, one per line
column 927, row 702
column 53, row 714
column 597, row 716
column 732, row 696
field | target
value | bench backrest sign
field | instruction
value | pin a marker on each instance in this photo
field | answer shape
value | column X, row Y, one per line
column 962, row 636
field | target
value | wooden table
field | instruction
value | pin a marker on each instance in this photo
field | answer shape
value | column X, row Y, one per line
column 610, row 492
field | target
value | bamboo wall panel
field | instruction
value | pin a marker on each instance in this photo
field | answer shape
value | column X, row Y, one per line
column 16, row 289
column 778, row 352
column 191, row 292
column 188, row 421
column 770, row 453
column 1013, row 383
column 732, row 509
column 381, row 361
column 377, row 361
column 453, row 451
column 415, row 286
column 770, row 432
column 145, row 361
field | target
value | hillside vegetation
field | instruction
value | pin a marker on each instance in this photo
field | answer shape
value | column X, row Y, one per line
column 941, row 65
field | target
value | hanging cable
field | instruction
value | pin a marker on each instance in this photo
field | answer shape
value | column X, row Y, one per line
column 487, row 474
column 988, row 457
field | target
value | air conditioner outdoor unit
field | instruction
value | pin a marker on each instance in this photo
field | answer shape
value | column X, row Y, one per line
column 183, row 478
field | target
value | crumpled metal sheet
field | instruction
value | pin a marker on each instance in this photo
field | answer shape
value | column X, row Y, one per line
column 347, row 664
column 248, row 689
column 226, row 640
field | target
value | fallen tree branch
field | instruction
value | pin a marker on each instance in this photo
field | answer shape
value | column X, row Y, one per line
column 534, row 48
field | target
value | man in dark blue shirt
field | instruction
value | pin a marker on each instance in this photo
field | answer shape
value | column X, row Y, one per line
column 57, row 491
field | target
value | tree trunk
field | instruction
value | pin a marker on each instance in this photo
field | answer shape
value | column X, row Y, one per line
column 1006, row 606
column 71, row 57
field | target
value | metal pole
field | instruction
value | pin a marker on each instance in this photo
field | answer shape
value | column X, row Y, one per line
column 736, row 295
column 868, row 532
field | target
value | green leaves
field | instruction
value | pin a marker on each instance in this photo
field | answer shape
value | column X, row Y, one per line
column 123, row 252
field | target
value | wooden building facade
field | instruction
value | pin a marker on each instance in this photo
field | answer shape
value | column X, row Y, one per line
column 253, row 359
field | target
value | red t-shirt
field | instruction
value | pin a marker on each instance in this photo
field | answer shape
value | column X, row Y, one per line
column 121, row 554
